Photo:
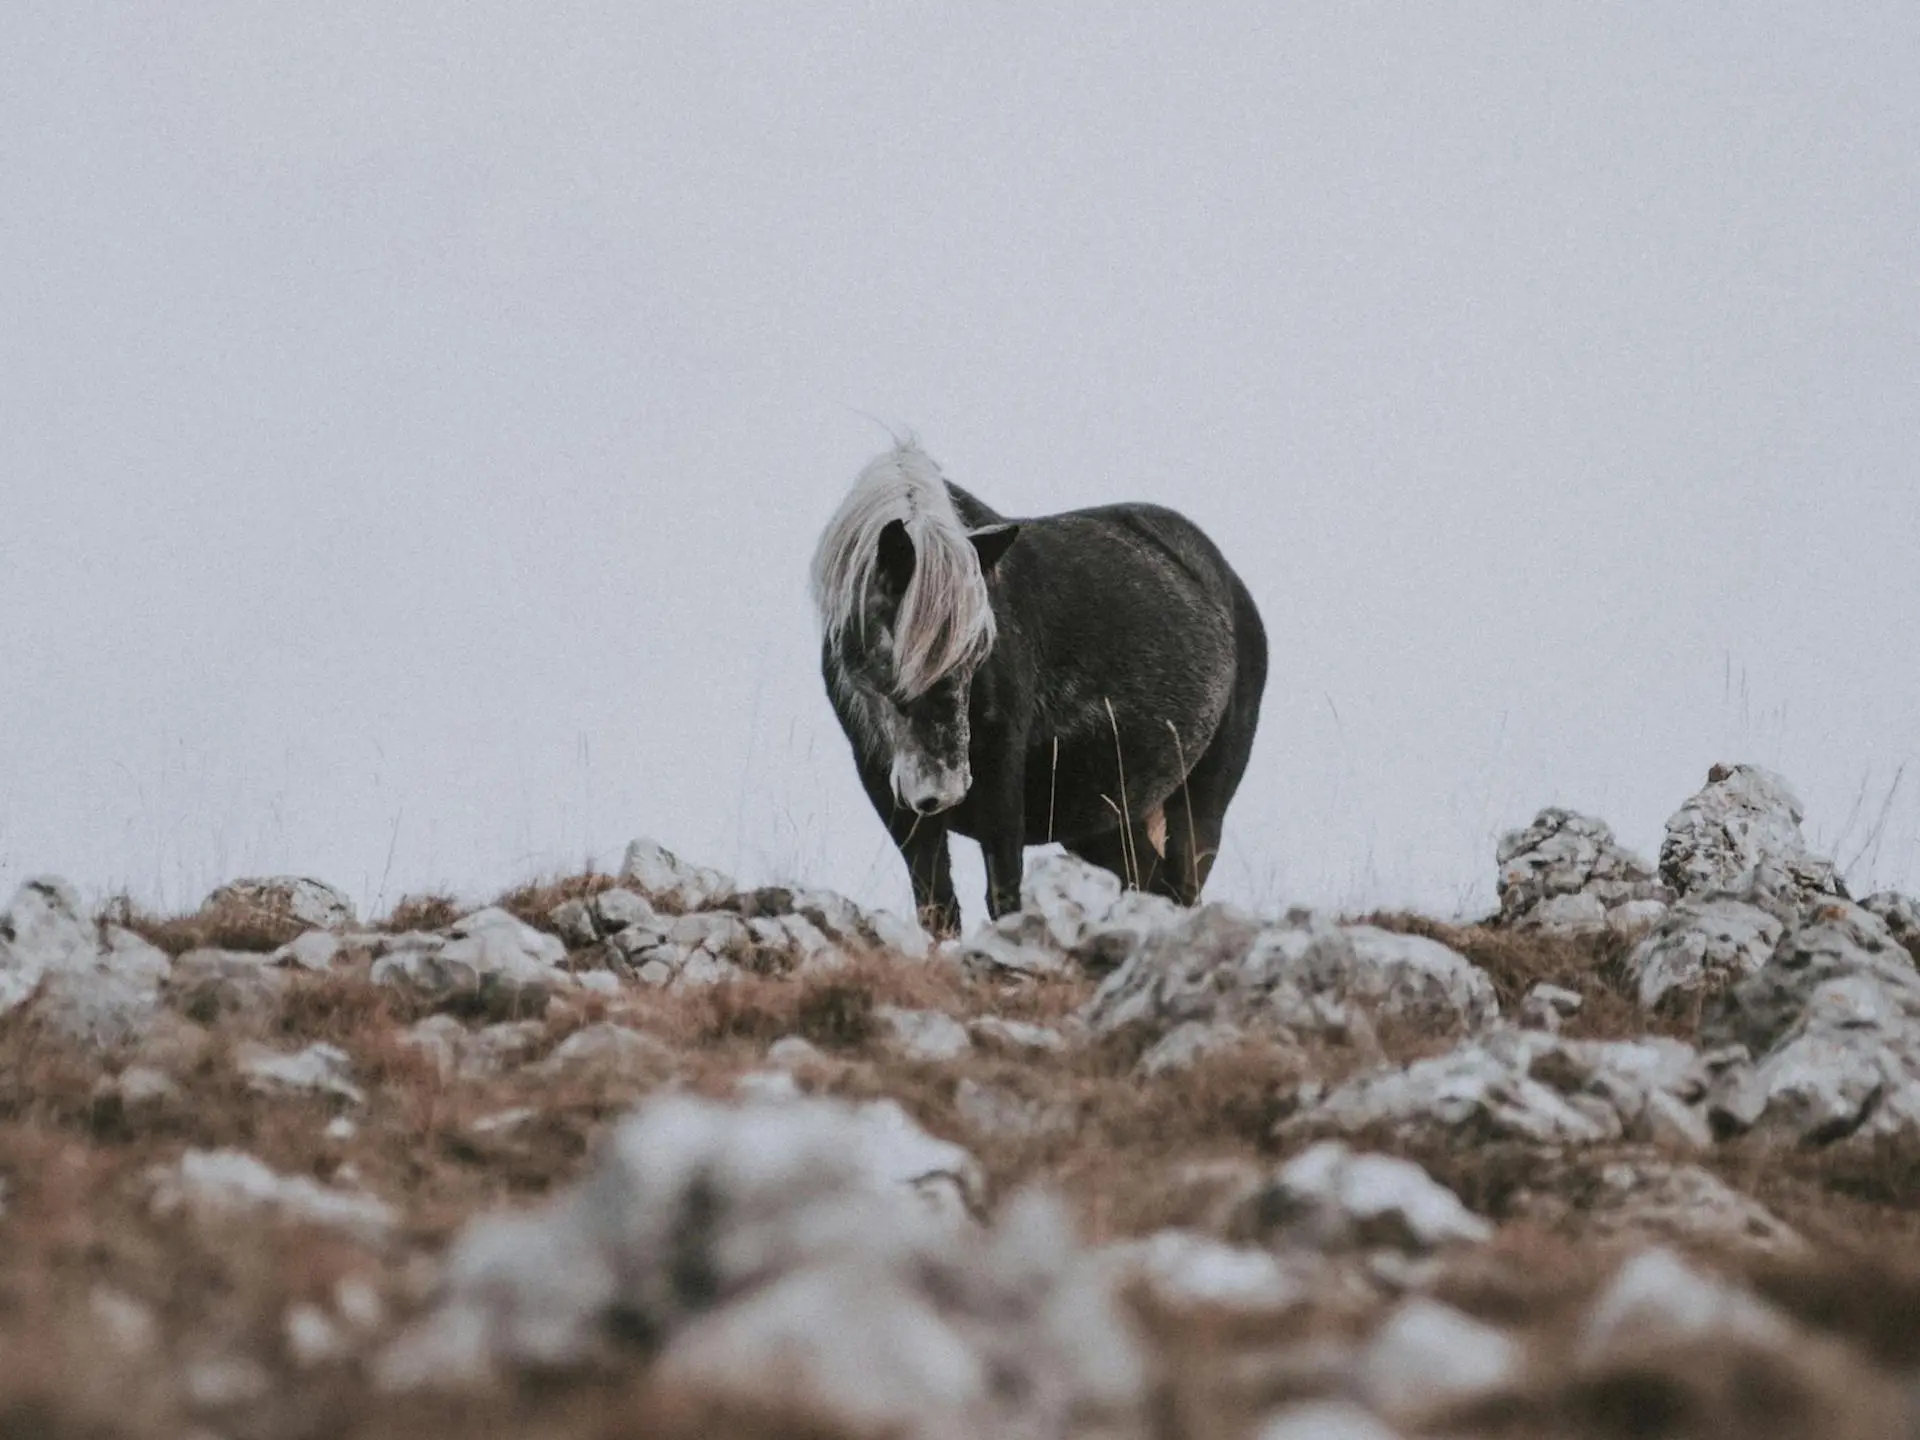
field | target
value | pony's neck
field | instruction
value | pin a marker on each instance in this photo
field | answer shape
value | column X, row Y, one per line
column 973, row 512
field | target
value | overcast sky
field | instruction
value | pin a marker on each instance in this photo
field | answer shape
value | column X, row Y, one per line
column 415, row 419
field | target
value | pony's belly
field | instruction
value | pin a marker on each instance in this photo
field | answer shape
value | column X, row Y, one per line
column 1086, row 791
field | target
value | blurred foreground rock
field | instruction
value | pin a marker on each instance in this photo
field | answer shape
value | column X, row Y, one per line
column 1331, row 1199
column 784, row 1252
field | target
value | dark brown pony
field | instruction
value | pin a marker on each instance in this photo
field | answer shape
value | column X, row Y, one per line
column 1092, row 677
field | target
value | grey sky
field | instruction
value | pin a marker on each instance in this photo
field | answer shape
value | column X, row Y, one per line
column 417, row 418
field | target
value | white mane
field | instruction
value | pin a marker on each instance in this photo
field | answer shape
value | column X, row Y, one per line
column 945, row 619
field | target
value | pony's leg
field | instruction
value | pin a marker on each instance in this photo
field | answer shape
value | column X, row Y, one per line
column 1006, row 868
column 1197, row 810
column 922, row 843
column 999, row 801
column 1193, row 842
column 924, row 848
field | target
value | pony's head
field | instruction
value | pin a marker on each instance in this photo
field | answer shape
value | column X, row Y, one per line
column 901, row 586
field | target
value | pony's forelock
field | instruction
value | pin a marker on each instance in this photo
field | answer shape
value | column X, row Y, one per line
column 945, row 620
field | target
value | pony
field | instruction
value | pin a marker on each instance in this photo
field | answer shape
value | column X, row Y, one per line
column 1092, row 677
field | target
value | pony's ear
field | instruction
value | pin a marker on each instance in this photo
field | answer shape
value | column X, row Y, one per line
column 991, row 542
column 895, row 557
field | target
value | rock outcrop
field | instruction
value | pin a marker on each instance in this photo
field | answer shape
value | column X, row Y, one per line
column 489, row 958
column 1701, row 946
column 1832, row 1025
column 672, row 925
column 1523, row 1085
column 1565, row 871
column 1215, row 976
column 1741, row 834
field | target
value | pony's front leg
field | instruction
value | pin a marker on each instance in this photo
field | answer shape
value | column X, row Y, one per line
column 923, row 845
column 1002, row 827
column 1005, row 858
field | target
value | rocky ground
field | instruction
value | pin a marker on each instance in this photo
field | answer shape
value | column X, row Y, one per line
column 648, row 1155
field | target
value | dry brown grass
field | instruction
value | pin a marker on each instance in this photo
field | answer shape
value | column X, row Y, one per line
column 423, row 912
column 1712, row 1390
column 219, row 927
column 1517, row 960
column 535, row 901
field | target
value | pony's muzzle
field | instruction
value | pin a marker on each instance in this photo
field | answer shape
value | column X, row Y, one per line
column 927, row 790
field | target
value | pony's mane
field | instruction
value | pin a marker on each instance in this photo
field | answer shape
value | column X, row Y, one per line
column 945, row 619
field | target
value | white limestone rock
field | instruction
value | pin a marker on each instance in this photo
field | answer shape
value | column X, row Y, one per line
column 1740, row 834
column 1655, row 1199
column 1702, row 946
column 318, row 1069
column 1013, row 1335
column 1332, row 1199
column 1012, row 948
column 778, row 1251
column 1186, row 1044
column 1300, row 976
column 1832, row 1022
column 719, row 934
column 1414, row 978
column 607, row 1051
column 1513, row 1084
column 215, row 1185
column 1566, row 872
column 1325, row 1420
column 1547, row 1007
column 795, row 1052
column 927, row 1036
column 1016, row 1037
column 127, row 1324
column 1001, row 1113
column 665, row 879
column 1068, row 897
column 94, row 984
column 1899, row 913
column 1072, row 916
column 616, row 909
column 1657, row 1299
column 204, row 983
column 285, row 902
column 139, row 1088
column 1190, row 1269
column 318, row 950
column 1428, row 1356
column 459, row 1052
column 489, row 955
